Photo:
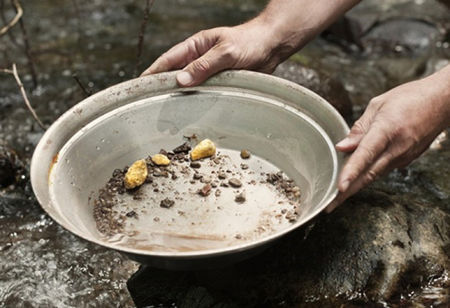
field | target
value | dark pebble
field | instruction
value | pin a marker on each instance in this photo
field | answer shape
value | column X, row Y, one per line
column 205, row 191
column 167, row 203
column 184, row 148
column 132, row 214
column 240, row 198
column 222, row 176
column 197, row 176
column 195, row 165
column 235, row 182
column 245, row 154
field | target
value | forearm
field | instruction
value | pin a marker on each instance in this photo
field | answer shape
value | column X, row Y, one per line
column 293, row 23
column 440, row 84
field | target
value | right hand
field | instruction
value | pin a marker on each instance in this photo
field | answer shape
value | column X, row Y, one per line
column 248, row 46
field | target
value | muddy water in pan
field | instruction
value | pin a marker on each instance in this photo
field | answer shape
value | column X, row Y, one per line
column 216, row 202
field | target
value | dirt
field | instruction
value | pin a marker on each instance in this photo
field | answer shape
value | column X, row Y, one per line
column 112, row 211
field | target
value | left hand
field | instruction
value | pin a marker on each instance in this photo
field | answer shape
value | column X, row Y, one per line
column 395, row 128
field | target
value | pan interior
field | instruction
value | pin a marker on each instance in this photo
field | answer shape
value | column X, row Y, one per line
column 278, row 136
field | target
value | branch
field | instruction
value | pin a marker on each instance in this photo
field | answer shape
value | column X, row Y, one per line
column 22, row 91
column 80, row 84
column 147, row 9
column 14, row 20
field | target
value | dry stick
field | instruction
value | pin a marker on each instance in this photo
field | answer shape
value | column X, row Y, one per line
column 16, row 18
column 86, row 92
column 28, row 53
column 78, row 22
column 147, row 9
column 22, row 91
column 2, row 15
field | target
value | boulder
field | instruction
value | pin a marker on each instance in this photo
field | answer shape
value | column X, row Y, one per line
column 320, row 82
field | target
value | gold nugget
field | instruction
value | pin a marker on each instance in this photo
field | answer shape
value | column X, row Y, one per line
column 161, row 159
column 204, row 149
column 136, row 174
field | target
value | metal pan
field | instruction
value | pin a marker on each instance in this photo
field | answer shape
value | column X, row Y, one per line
column 283, row 124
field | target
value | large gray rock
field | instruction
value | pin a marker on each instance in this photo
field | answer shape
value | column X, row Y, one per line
column 388, row 244
column 320, row 82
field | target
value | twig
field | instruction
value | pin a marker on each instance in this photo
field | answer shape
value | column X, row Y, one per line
column 148, row 6
column 5, row 70
column 28, row 53
column 16, row 18
column 86, row 92
column 2, row 15
column 22, row 91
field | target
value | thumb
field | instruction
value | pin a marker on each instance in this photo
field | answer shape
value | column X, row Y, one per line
column 213, row 61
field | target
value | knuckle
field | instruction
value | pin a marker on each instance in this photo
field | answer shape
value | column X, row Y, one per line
column 200, row 34
column 368, row 153
column 376, row 101
column 371, row 176
column 229, row 51
column 201, row 65
column 358, row 128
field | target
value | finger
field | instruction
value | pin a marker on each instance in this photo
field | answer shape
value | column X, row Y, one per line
column 183, row 53
column 380, row 167
column 215, row 60
column 367, row 152
column 359, row 129
column 174, row 58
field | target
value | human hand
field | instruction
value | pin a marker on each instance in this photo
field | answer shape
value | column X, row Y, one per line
column 395, row 128
column 252, row 45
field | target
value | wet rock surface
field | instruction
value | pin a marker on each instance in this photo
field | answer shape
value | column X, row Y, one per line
column 387, row 246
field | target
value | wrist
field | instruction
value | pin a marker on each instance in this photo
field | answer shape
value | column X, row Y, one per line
column 440, row 82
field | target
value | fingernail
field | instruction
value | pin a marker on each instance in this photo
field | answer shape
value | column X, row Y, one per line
column 184, row 78
column 344, row 185
column 344, row 143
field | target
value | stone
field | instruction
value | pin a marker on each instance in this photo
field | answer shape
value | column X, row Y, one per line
column 236, row 183
column 161, row 160
column 167, row 203
column 245, row 154
column 320, row 82
column 8, row 166
column 205, row 190
column 240, row 198
column 205, row 148
column 136, row 174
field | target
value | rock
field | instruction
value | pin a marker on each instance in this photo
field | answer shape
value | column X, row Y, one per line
column 370, row 250
column 245, row 154
column 222, row 175
column 8, row 166
column 240, row 198
column 184, row 148
column 236, row 183
column 385, row 243
column 401, row 35
column 195, row 165
column 205, row 190
column 161, row 160
column 167, row 203
column 320, row 82
column 136, row 174
column 205, row 148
